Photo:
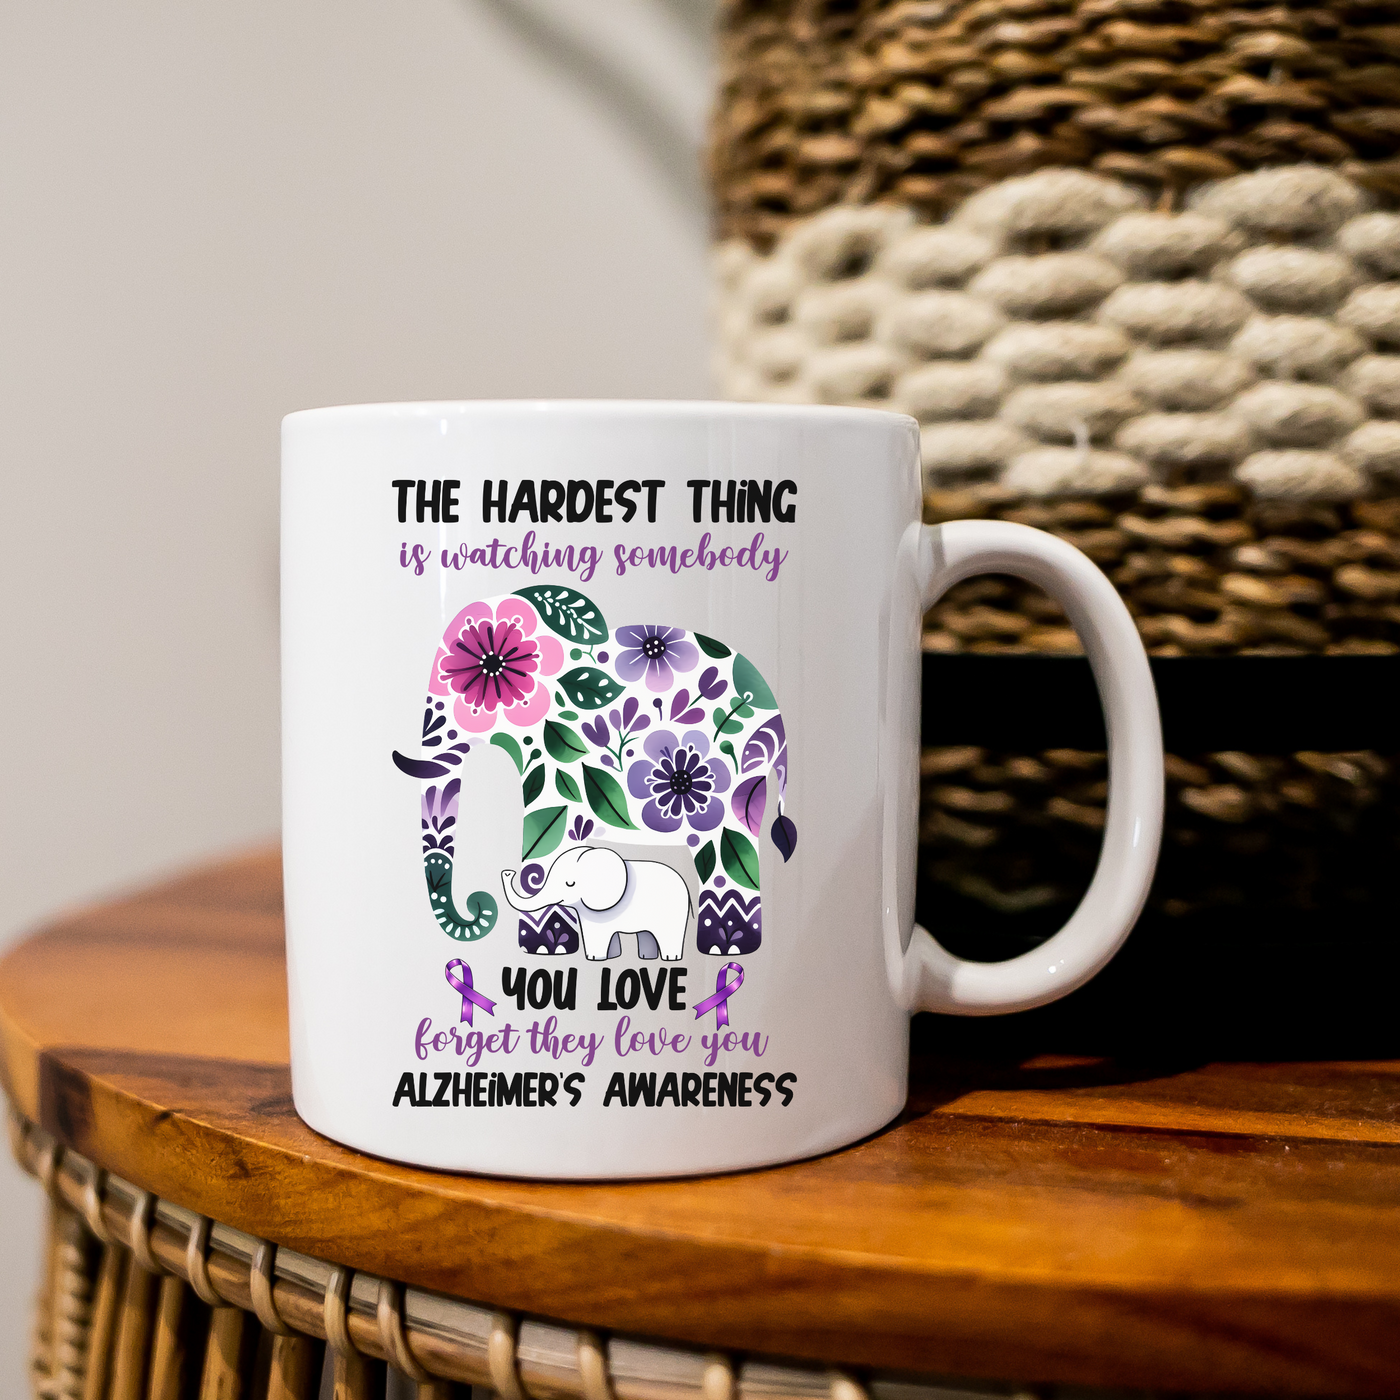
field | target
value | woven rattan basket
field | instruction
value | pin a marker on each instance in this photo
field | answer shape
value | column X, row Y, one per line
column 1135, row 267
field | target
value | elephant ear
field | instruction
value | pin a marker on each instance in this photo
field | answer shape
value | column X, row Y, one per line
column 602, row 875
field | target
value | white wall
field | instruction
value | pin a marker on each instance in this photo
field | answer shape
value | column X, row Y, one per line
column 209, row 216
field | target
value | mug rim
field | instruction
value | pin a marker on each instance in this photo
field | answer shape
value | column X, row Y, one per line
column 411, row 410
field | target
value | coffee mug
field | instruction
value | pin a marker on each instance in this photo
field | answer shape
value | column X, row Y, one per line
column 601, row 780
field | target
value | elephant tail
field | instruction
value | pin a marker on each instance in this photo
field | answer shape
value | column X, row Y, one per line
column 479, row 917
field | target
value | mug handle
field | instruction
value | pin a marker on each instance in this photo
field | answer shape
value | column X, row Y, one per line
column 935, row 980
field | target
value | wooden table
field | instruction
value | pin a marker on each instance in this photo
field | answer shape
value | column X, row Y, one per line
column 1034, row 1216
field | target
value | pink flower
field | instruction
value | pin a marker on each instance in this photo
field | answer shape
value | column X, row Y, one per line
column 491, row 663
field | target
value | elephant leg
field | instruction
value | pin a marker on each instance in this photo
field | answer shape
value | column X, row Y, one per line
column 728, row 923
column 548, row 933
column 647, row 946
column 600, row 944
column 671, row 940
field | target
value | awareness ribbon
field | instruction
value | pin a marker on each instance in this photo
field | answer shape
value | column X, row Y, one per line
column 719, row 1003
column 462, row 982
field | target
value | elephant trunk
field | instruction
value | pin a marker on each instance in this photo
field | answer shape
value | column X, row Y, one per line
column 518, row 899
column 478, row 915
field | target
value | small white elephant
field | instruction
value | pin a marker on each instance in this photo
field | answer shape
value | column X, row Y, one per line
column 612, row 896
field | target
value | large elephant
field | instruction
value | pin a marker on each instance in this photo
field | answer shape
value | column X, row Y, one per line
column 654, row 730
column 609, row 897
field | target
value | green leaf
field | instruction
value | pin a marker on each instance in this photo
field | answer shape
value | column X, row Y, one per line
column 566, row 714
column 605, row 797
column 705, row 861
column 559, row 698
column 533, row 785
column 711, row 647
column 565, row 786
column 748, row 682
column 567, row 612
column 542, row 831
column 590, row 688
column 725, row 723
column 739, row 857
column 504, row 741
column 563, row 744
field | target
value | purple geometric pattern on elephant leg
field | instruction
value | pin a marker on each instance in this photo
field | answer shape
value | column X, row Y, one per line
column 729, row 923
column 553, row 930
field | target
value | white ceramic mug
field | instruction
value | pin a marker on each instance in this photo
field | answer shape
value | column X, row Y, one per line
column 601, row 780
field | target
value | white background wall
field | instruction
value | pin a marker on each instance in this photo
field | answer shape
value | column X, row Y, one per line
column 210, row 216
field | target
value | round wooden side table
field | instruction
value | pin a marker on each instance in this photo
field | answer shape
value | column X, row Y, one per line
column 1031, row 1221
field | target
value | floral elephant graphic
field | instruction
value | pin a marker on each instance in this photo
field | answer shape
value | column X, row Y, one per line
column 654, row 730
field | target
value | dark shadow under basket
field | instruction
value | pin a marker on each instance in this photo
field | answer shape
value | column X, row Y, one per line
column 1276, row 905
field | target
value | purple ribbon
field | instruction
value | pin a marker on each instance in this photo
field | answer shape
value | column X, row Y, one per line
column 462, row 982
column 719, row 1003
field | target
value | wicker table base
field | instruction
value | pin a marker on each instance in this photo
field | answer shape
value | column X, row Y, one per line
column 142, row 1298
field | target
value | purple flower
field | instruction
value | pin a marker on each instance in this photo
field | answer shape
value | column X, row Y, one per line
column 577, row 832
column 680, row 713
column 597, row 732
column 711, row 687
column 680, row 781
column 656, row 651
column 624, row 723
